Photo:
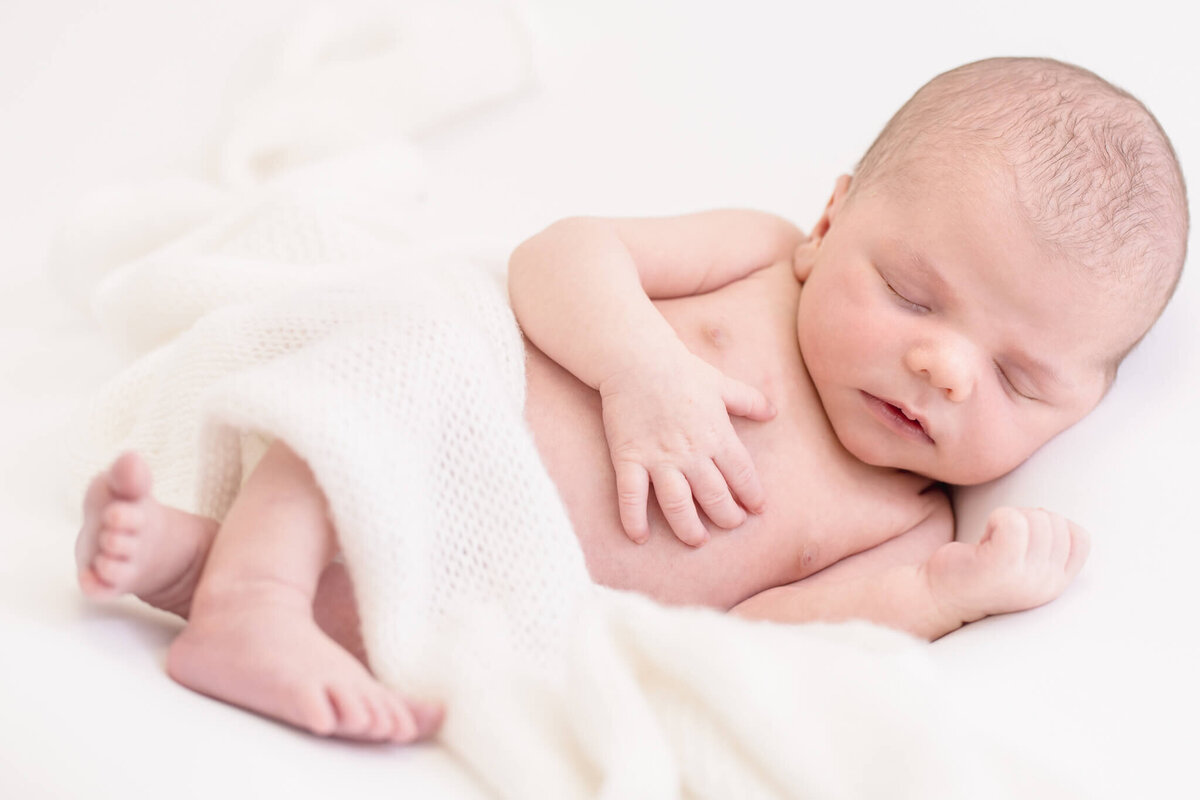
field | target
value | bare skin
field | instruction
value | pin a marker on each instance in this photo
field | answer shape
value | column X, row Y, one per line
column 289, row 649
column 132, row 544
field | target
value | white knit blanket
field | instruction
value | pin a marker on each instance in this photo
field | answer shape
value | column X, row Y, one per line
column 302, row 304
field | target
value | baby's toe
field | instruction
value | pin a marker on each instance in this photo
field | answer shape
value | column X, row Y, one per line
column 377, row 725
column 118, row 544
column 94, row 502
column 129, row 476
column 315, row 712
column 124, row 515
column 352, row 714
column 97, row 496
column 383, row 721
column 428, row 717
column 91, row 584
column 114, row 572
column 404, row 723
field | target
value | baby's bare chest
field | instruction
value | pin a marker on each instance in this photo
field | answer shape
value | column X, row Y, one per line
column 822, row 504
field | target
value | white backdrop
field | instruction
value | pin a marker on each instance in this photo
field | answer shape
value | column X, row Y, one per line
column 642, row 108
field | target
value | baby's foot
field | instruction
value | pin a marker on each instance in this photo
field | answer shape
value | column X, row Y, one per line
column 129, row 543
column 258, row 647
column 1026, row 558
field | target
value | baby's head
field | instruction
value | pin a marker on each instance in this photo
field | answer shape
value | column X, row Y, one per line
column 1013, row 232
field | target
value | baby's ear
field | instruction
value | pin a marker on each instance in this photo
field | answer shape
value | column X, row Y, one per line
column 803, row 258
column 806, row 252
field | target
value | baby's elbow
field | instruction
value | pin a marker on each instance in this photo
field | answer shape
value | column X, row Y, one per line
column 554, row 246
column 546, row 238
column 523, row 257
column 528, row 262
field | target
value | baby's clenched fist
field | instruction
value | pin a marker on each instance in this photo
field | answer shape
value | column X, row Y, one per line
column 1026, row 558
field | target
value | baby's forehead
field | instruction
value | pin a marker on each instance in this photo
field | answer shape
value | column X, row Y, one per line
column 1063, row 327
column 1079, row 321
column 1121, row 244
column 1088, row 164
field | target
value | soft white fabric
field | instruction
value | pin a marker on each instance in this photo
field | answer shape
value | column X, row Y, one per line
column 304, row 304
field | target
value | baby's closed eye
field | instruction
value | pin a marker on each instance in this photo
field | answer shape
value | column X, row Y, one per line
column 902, row 296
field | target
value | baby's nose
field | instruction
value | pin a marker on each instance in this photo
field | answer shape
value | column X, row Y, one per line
column 946, row 365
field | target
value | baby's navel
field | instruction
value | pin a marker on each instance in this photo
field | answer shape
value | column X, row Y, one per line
column 808, row 557
column 716, row 334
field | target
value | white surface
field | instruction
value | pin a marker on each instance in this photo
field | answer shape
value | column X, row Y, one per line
column 646, row 108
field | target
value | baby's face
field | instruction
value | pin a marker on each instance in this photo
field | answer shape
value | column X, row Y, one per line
column 943, row 307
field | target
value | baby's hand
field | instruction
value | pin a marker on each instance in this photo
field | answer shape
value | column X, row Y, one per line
column 1025, row 558
column 667, row 423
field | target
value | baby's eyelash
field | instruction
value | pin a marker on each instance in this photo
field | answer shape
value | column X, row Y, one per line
column 892, row 289
column 1008, row 382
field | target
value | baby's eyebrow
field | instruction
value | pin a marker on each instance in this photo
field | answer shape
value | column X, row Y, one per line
column 1041, row 373
column 917, row 261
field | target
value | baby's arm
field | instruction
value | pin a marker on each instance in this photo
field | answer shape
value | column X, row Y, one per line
column 925, row 583
column 582, row 292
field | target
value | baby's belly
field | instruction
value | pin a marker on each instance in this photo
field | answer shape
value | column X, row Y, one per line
column 805, row 526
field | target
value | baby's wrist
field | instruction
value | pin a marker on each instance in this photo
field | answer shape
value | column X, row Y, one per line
column 647, row 363
column 949, row 608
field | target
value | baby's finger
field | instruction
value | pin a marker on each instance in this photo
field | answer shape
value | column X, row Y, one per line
column 1081, row 545
column 1060, row 548
column 743, row 400
column 1041, row 535
column 712, row 494
column 675, row 499
column 1007, row 534
column 738, row 469
column 633, row 488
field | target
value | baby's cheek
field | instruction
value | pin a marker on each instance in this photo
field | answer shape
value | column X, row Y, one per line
column 998, row 449
column 829, row 325
column 817, row 345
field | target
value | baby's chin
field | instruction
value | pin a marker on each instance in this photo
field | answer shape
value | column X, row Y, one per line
column 967, row 470
column 872, row 451
column 971, row 471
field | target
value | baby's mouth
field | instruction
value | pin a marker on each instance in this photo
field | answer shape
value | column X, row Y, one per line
column 900, row 410
column 900, row 417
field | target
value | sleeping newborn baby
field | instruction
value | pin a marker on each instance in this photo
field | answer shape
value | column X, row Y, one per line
column 741, row 416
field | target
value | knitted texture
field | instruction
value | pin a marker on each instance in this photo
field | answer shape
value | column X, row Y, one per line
column 415, row 368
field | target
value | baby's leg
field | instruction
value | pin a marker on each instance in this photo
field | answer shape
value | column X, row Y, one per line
column 131, row 543
column 251, row 637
